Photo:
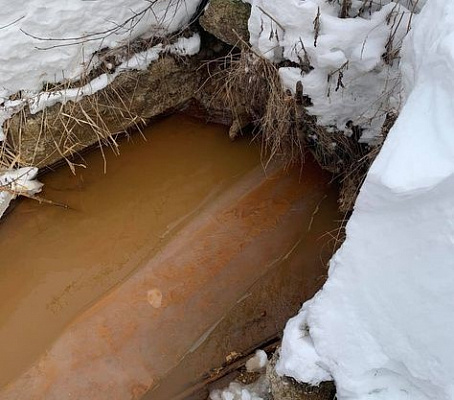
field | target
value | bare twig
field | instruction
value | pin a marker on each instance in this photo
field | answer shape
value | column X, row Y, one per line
column 316, row 26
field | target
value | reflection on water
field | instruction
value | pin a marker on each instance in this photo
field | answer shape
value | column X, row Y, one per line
column 55, row 262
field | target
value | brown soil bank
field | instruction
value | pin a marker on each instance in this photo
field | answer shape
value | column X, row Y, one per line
column 226, row 281
column 130, row 100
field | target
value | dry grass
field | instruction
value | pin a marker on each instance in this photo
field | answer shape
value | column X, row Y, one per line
column 353, row 175
column 65, row 129
column 249, row 83
column 99, row 116
column 60, row 126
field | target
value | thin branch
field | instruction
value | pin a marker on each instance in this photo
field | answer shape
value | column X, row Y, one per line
column 12, row 23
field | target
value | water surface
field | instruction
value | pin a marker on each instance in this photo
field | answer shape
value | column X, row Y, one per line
column 55, row 262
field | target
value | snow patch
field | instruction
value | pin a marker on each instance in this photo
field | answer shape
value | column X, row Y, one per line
column 258, row 362
column 257, row 390
column 297, row 349
column 53, row 41
column 139, row 61
column 18, row 182
column 237, row 391
column 185, row 46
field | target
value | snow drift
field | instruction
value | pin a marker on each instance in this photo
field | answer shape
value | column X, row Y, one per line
column 382, row 326
column 51, row 41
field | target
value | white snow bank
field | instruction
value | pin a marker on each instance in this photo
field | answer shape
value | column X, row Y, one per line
column 18, row 182
column 382, row 326
column 54, row 40
column 350, row 80
column 49, row 41
column 39, row 101
column 139, row 61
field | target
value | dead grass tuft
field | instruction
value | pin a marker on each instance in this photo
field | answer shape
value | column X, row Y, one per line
column 249, row 85
column 67, row 128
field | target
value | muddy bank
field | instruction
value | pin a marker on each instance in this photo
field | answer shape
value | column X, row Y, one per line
column 128, row 102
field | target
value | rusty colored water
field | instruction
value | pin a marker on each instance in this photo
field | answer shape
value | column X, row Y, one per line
column 55, row 262
column 224, row 283
column 260, row 314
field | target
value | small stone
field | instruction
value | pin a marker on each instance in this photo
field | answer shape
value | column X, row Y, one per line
column 284, row 388
column 227, row 20
column 257, row 362
column 154, row 297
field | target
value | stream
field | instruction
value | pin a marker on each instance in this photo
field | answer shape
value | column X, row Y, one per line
column 171, row 255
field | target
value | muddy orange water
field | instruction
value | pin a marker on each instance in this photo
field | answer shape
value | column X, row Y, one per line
column 183, row 252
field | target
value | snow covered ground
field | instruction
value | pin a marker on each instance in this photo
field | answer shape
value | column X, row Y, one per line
column 53, row 40
column 355, row 78
column 46, row 41
column 383, row 324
